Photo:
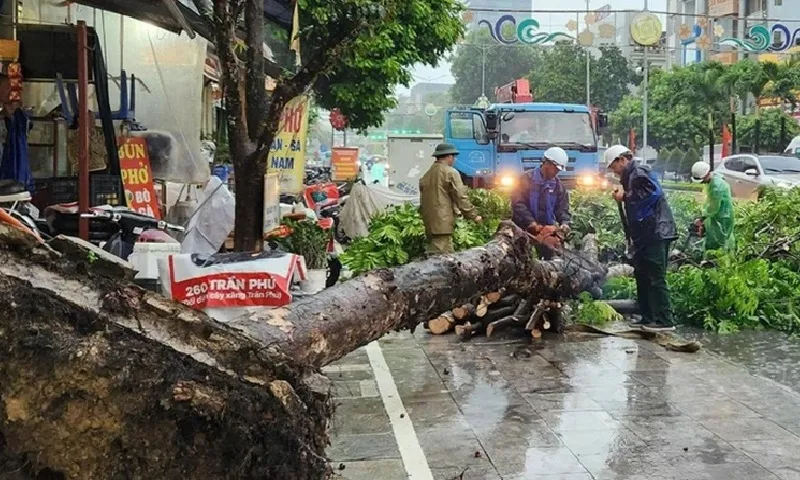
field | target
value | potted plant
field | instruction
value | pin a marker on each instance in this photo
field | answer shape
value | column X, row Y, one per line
column 310, row 241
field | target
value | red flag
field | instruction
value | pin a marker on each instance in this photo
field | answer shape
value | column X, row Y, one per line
column 727, row 141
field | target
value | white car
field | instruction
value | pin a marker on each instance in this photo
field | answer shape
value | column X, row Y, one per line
column 746, row 173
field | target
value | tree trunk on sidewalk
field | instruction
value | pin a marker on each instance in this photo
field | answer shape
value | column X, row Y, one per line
column 100, row 379
column 249, row 168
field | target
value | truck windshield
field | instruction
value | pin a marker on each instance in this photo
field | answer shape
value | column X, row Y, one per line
column 564, row 129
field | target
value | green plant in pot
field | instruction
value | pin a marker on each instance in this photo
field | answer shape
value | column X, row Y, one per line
column 310, row 241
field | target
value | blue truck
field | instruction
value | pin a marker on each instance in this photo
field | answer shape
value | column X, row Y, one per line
column 500, row 142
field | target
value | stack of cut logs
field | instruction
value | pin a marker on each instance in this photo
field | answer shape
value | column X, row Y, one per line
column 498, row 310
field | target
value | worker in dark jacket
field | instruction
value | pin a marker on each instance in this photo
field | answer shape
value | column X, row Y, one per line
column 540, row 202
column 651, row 228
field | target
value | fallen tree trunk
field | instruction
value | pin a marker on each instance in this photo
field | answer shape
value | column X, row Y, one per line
column 100, row 379
column 320, row 329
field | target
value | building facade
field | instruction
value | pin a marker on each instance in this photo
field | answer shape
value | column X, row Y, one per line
column 733, row 18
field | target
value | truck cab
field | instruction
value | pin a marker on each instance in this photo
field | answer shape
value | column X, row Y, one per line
column 507, row 139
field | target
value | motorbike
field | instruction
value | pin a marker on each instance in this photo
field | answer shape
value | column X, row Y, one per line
column 139, row 239
column 132, row 228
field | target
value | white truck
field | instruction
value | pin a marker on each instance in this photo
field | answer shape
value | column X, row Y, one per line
column 409, row 158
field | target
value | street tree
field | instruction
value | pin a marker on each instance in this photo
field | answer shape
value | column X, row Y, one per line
column 560, row 76
column 675, row 161
column 769, row 131
column 503, row 64
column 692, row 156
column 353, row 54
column 682, row 101
column 662, row 159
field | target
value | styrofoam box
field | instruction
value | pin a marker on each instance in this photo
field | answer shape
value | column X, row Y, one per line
column 146, row 254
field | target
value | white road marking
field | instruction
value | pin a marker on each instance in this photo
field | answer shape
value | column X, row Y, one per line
column 414, row 460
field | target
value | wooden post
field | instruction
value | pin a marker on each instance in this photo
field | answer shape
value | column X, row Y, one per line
column 83, row 128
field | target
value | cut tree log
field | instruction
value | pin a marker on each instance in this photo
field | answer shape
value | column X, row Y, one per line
column 508, row 320
column 464, row 311
column 507, row 301
column 442, row 324
column 494, row 297
column 101, row 379
column 470, row 329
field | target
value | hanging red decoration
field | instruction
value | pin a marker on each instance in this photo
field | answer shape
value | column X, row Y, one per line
column 338, row 120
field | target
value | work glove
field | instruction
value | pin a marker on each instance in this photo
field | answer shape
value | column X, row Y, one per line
column 548, row 230
column 565, row 229
column 551, row 236
column 534, row 228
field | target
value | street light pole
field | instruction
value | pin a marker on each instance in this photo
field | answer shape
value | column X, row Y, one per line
column 588, row 67
column 483, row 71
column 644, row 100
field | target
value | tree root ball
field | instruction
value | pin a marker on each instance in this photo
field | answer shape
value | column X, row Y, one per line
column 81, row 398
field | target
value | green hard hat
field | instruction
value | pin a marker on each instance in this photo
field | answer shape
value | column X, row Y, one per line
column 444, row 149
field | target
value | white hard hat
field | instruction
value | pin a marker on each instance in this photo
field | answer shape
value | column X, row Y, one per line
column 614, row 153
column 558, row 156
column 699, row 171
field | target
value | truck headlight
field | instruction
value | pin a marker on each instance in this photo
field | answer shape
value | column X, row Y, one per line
column 506, row 181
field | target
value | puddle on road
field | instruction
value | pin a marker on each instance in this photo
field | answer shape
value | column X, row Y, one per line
column 770, row 354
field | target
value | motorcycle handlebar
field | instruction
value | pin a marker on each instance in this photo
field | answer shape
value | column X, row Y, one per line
column 135, row 219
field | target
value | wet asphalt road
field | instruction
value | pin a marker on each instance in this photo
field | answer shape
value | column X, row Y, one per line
column 604, row 408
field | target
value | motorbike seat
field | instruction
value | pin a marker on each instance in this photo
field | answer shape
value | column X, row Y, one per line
column 11, row 187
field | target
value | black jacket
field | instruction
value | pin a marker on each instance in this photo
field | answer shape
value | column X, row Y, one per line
column 649, row 216
column 520, row 203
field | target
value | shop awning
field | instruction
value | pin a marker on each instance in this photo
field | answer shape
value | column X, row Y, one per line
column 158, row 13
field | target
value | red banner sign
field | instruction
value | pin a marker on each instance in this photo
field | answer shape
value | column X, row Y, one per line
column 224, row 290
column 137, row 177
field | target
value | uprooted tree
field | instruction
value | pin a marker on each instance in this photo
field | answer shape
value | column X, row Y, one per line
column 100, row 379
column 353, row 54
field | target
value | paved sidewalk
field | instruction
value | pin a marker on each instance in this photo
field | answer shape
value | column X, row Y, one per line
column 599, row 409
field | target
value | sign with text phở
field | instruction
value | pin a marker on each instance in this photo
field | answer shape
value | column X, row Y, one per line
column 287, row 155
column 137, row 177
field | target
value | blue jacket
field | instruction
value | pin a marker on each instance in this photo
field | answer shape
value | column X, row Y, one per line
column 649, row 216
column 540, row 201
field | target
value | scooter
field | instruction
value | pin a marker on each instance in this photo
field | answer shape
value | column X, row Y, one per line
column 139, row 239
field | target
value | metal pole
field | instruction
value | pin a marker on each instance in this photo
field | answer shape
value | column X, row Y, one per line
column 644, row 101
column 483, row 72
column 83, row 129
column 588, row 68
column 711, row 140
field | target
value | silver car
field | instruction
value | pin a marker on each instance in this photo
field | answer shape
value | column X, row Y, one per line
column 746, row 173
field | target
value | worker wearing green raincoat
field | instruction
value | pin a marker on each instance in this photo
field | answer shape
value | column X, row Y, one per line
column 718, row 219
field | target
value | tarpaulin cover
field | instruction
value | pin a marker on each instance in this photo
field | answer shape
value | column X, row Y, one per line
column 212, row 222
column 366, row 201
column 228, row 285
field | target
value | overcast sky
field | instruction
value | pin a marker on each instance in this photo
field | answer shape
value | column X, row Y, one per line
column 441, row 74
